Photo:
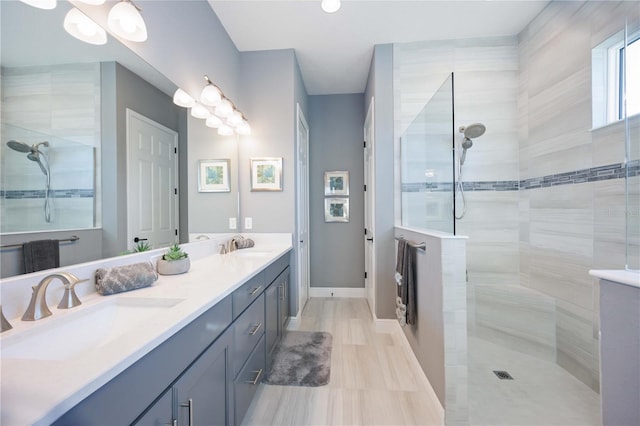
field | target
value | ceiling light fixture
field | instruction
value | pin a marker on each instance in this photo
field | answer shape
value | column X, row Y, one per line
column 330, row 6
column 210, row 95
column 125, row 20
column 183, row 99
column 41, row 4
column 84, row 28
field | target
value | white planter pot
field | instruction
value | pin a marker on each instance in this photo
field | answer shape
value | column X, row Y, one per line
column 173, row 267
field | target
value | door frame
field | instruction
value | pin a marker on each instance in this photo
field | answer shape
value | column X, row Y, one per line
column 369, row 206
column 302, row 210
column 176, row 200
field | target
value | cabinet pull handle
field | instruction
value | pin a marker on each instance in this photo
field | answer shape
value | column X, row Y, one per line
column 255, row 381
column 281, row 287
column 254, row 290
column 255, row 330
column 189, row 405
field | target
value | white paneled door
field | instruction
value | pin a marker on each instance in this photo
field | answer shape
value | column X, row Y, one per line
column 152, row 182
column 302, row 210
column 369, row 210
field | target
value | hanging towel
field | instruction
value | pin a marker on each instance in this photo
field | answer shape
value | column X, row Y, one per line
column 409, row 283
column 402, row 243
column 40, row 255
column 401, row 307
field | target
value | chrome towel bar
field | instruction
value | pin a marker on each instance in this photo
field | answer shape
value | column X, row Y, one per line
column 419, row 246
column 64, row 240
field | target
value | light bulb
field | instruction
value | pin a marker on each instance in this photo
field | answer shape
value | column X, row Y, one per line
column 234, row 119
column 41, row 4
column 330, row 6
column 213, row 122
column 125, row 20
column 224, row 108
column 243, row 128
column 83, row 28
column 210, row 95
column 225, row 130
column 200, row 111
column 182, row 98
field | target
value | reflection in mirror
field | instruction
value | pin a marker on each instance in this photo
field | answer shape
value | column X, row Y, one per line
column 52, row 90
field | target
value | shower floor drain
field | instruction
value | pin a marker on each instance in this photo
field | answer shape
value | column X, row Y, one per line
column 502, row 375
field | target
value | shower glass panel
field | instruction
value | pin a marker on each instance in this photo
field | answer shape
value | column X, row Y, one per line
column 23, row 194
column 632, row 151
column 426, row 151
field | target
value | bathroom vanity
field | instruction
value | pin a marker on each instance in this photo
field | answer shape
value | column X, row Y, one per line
column 198, row 357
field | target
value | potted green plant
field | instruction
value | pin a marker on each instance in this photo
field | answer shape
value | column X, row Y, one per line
column 174, row 261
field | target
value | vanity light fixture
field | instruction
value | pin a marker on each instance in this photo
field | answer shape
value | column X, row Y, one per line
column 243, row 128
column 235, row 118
column 330, row 6
column 125, row 20
column 213, row 121
column 93, row 2
column 224, row 108
column 84, row 28
column 225, row 130
column 41, row 4
column 182, row 98
column 200, row 111
column 211, row 95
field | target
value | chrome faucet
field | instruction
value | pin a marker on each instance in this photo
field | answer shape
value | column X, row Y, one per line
column 38, row 308
column 6, row 325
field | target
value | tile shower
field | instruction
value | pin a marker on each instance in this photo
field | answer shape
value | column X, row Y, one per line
column 59, row 104
column 546, row 203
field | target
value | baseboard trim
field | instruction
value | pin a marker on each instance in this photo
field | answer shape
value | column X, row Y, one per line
column 388, row 326
column 337, row 292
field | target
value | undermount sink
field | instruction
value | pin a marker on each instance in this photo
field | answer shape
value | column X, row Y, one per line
column 251, row 253
column 89, row 327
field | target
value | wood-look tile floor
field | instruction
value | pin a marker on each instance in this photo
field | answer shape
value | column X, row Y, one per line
column 375, row 379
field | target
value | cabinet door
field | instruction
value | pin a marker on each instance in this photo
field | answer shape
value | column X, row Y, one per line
column 160, row 413
column 271, row 302
column 283, row 302
column 203, row 392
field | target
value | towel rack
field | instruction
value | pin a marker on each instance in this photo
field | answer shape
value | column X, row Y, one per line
column 420, row 246
column 64, row 240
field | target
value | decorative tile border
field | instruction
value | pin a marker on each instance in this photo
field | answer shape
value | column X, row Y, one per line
column 39, row 193
column 593, row 174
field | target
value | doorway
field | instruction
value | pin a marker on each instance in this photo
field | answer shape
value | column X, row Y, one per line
column 152, row 182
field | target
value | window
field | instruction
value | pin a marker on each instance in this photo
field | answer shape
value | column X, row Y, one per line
column 610, row 79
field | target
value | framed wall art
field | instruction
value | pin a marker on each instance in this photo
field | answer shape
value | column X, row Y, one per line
column 336, row 210
column 213, row 176
column 336, row 183
column 266, row 174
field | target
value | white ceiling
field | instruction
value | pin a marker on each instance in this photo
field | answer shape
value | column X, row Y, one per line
column 334, row 50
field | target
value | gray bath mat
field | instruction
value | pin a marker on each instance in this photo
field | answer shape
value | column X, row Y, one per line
column 302, row 358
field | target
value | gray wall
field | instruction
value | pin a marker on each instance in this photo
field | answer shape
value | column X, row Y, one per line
column 123, row 89
column 380, row 87
column 337, row 249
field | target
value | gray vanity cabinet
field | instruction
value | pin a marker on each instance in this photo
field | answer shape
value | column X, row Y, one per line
column 160, row 413
column 276, row 311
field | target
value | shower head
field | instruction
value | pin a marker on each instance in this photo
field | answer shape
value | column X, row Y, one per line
column 18, row 146
column 473, row 131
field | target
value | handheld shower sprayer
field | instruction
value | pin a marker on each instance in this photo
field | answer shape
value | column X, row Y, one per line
column 470, row 132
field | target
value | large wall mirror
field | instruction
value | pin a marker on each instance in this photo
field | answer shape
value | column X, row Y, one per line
column 60, row 157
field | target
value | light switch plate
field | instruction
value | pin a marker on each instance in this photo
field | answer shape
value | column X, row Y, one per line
column 248, row 223
column 233, row 223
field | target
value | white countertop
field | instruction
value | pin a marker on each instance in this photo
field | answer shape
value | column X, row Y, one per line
column 622, row 276
column 36, row 391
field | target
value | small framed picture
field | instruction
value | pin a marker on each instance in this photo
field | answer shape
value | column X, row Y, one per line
column 266, row 174
column 336, row 183
column 213, row 176
column 336, row 210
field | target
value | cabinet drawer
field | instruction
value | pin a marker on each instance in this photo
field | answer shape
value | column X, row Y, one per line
column 276, row 268
column 246, row 384
column 248, row 329
column 247, row 293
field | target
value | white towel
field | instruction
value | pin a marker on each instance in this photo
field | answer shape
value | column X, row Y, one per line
column 398, row 278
